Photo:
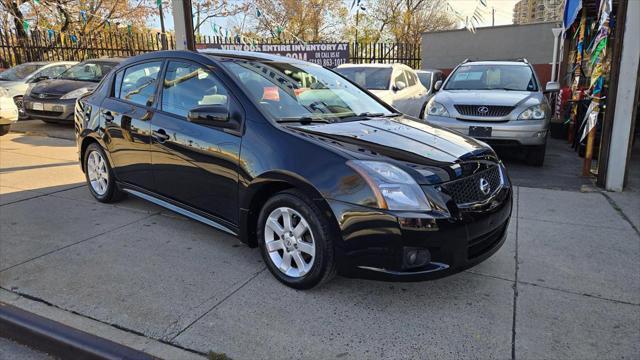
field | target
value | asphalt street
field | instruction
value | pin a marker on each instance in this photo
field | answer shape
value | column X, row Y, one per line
column 566, row 284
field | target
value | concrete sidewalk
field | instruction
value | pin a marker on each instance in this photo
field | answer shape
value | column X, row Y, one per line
column 565, row 285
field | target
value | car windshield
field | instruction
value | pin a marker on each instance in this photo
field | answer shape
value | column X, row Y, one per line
column 370, row 78
column 93, row 71
column 425, row 79
column 492, row 77
column 292, row 92
column 19, row 72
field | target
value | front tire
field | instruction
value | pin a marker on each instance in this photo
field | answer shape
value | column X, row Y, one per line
column 4, row 129
column 99, row 175
column 295, row 241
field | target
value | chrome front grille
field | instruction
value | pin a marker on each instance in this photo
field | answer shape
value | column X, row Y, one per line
column 484, row 110
column 469, row 190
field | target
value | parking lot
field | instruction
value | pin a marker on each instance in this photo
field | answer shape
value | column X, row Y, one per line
column 566, row 284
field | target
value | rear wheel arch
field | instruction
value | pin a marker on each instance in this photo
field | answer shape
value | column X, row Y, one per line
column 88, row 140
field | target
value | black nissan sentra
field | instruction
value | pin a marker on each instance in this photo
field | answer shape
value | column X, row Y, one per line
column 296, row 160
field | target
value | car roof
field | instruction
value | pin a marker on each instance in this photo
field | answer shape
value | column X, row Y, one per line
column 428, row 71
column 115, row 60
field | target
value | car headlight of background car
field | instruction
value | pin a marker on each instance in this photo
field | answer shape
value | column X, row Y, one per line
column 75, row 93
column 434, row 108
column 393, row 187
column 535, row 112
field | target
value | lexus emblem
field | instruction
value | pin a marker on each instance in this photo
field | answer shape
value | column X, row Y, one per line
column 485, row 188
column 483, row 109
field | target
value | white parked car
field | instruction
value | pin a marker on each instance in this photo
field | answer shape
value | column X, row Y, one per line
column 8, row 112
column 16, row 80
column 395, row 84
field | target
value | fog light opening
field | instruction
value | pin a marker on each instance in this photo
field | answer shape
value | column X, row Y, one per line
column 416, row 257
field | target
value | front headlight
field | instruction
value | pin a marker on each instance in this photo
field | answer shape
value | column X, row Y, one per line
column 436, row 109
column 75, row 93
column 535, row 112
column 393, row 187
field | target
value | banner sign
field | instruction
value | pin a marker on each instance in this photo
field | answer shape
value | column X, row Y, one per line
column 326, row 54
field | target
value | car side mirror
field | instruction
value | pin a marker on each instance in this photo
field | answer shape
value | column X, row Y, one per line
column 399, row 85
column 38, row 79
column 211, row 115
column 552, row 86
column 437, row 85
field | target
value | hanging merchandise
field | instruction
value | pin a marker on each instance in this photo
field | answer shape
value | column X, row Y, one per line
column 50, row 34
column 25, row 25
column 83, row 16
column 73, row 38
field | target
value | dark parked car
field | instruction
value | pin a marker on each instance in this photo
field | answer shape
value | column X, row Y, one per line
column 297, row 160
column 54, row 100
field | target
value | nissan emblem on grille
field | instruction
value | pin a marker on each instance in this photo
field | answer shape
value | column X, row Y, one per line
column 485, row 187
column 483, row 109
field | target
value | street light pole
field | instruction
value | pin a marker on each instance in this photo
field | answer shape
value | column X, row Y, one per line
column 183, row 24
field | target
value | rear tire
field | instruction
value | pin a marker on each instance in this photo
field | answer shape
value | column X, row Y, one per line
column 535, row 155
column 99, row 175
column 299, row 251
column 4, row 129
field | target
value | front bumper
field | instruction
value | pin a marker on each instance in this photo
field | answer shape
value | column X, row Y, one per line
column 53, row 110
column 375, row 242
column 516, row 132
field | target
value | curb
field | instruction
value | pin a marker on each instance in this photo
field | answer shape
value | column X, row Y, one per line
column 58, row 339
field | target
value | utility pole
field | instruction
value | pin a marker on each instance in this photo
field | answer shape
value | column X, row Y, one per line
column 163, row 34
column 183, row 23
column 493, row 16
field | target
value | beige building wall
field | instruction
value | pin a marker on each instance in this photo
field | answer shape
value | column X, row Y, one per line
column 535, row 11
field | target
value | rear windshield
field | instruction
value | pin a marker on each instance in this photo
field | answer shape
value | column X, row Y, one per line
column 19, row 72
column 370, row 78
column 492, row 77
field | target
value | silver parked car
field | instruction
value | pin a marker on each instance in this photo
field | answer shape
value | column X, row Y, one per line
column 500, row 102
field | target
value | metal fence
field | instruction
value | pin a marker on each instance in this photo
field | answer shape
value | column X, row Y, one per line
column 49, row 46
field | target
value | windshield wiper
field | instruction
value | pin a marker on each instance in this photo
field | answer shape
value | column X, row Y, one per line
column 303, row 120
column 369, row 115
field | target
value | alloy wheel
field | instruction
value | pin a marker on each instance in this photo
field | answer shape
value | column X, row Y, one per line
column 98, row 172
column 289, row 242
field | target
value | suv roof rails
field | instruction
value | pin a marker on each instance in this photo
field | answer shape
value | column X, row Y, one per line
column 524, row 60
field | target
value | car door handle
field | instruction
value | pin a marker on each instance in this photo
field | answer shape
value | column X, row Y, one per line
column 160, row 135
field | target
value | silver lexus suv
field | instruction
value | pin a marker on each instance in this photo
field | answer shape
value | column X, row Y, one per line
column 500, row 102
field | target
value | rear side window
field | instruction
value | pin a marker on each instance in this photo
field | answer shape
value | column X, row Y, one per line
column 138, row 83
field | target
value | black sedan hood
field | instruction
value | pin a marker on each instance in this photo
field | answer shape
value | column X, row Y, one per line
column 434, row 153
column 60, row 86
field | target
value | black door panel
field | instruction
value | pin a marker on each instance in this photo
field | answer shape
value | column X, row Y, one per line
column 196, row 165
column 128, row 139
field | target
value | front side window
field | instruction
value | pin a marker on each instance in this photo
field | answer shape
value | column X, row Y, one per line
column 293, row 91
column 19, row 72
column 138, row 84
column 411, row 80
column 187, row 86
column 492, row 77
column 88, row 71
column 370, row 78
column 400, row 77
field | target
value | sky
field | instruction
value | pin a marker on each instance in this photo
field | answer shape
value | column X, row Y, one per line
column 503, row 14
